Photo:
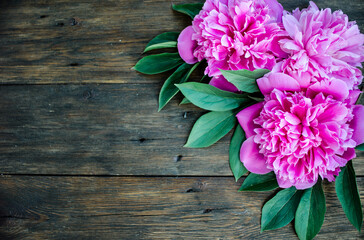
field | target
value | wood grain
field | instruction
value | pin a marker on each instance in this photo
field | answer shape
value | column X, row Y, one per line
column 67, row 41
column 145, row 208
column 103, row 130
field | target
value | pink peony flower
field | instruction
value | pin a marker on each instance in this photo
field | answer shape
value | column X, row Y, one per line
column 221, row 83
column 300, row 135
column 321, row 45
column 186, row 46
column 234, row 35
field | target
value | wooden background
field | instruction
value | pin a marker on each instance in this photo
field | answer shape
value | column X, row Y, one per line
column 84, row 153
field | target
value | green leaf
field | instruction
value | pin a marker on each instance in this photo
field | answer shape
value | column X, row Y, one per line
column 169, row 89
column 210, row 128
column 205, row 79
column 210, row 98
column 184, row 101
column 189, row 9
column 245, row 80
column 245, row 74
column 159, row 63
column 348, row 194
column 310, row 213
column 281, row 209
column 358, row 101
column 260, row 183
column 256, row 99
column 164, row 40
column 360, row 147
column 236, row 165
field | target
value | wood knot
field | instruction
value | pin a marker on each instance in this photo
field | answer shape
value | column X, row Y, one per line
column 88, row 94
column 207, row 210
column 178, row 158
column 74, row 21
column 193, row 190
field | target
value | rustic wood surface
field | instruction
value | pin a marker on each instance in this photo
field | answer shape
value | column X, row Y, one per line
column 68, row 41
column 145, row 208
column 84, row 153
column 103, row 129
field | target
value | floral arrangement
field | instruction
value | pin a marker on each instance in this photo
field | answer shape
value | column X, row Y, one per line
column 291, row 82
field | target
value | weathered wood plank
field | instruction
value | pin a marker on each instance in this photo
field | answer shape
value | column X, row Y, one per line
column 46, row 42
column 103, row 129
column 80, row 42
column 145, row 208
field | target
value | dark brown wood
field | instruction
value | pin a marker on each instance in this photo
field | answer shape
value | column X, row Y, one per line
column 100, row 129
column 145, row 208
column 103, row 129
column 67, row 41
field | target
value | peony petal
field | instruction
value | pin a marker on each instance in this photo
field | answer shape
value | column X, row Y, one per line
column 301, row 186
column 313, row 6
column 335, row 87
column 251, row 158
column 246, row 117
column 333, row 112
column 292, row 119
column 276, row 49
column 283, row 183
column 276, row 10
column 349, row 154
column 291, row 25
column 353, row 96
column 357, row 124
column 289, row 46
column 186, row 45
column 221, row 83
column 278, row 81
